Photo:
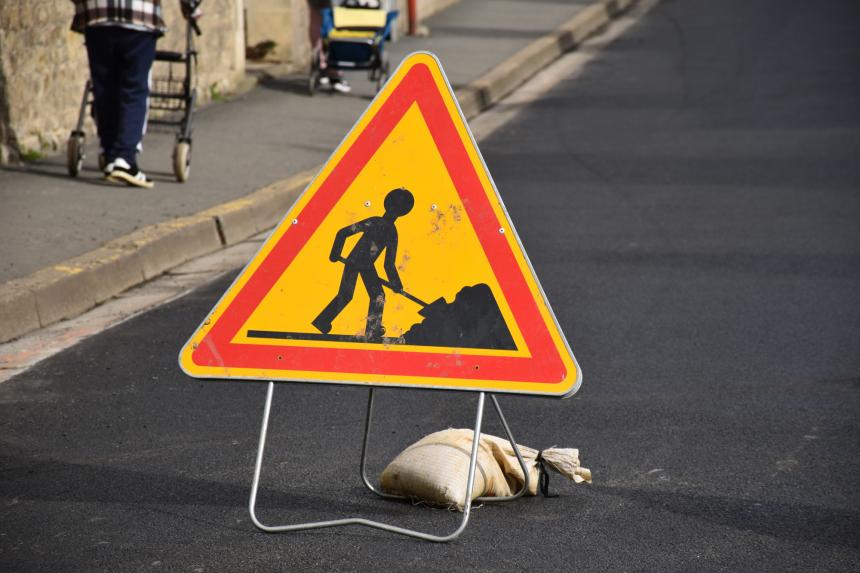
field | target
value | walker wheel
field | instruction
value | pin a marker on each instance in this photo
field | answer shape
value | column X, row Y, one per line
column 75, row 154
column 182, row 161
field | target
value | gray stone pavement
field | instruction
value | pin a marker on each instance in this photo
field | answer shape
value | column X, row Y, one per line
column 252, row 140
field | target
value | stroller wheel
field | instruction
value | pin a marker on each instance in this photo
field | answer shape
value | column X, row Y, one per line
column 182, row 160
column 75, row 154
column 382, row 75
column 314, row 76
column 313, row 82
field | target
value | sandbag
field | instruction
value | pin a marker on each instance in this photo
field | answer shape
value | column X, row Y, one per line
column 435, row 468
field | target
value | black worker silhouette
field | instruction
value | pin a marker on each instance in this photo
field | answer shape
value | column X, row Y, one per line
column 379, row 234
column 472, row 320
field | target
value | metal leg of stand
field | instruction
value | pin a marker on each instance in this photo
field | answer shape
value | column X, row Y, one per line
column 467, row 505
column 364, row 445
column 510, row 436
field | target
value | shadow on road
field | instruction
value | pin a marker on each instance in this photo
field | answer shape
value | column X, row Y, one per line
column 298, row 84
column 781, row 520
column 68, row 482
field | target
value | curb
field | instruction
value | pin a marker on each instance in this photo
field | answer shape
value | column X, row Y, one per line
column 513, row 72
column 74, row 286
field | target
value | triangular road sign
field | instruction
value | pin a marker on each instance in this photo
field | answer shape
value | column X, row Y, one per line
column 398, row 266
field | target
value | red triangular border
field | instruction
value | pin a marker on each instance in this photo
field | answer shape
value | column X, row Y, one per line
column 544, row 366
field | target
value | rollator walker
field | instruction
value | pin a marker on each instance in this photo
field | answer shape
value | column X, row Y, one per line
column 172, row 99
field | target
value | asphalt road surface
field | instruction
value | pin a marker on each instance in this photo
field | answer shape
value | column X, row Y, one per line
column 691, row 204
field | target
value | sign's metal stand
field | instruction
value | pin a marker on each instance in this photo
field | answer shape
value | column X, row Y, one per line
column 376, row 524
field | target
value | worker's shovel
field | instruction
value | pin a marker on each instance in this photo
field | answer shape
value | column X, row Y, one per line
column 427, row 309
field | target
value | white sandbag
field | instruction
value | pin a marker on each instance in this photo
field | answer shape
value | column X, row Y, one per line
column 435, row 468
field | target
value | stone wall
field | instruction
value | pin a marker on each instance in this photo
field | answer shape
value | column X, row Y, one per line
column 43, row 67
column 221, row 63
column 283, row 22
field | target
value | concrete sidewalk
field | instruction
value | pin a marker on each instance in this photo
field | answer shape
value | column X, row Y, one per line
column 68, row 244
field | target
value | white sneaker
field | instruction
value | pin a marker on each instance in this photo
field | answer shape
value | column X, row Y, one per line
column 122, row 172
column 325, row 82
column 341, row 86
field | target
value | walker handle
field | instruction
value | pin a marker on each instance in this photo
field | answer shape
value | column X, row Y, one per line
column 193, row 5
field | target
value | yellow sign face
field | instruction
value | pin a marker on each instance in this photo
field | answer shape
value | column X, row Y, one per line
column 398, row 266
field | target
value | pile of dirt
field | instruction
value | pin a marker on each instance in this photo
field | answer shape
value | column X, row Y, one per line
column 473, row 320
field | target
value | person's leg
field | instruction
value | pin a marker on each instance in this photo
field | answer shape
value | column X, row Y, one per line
column 329, row 77
column 136, row 57
column 315, row 30
column 339, row 302
column 338, row 82
column 104, row 75
column 373, row 331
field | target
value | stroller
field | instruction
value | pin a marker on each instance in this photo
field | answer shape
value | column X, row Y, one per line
column 354, row 36
column 171, row 104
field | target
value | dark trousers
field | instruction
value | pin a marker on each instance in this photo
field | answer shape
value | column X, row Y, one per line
column 120, row 61
column 372, row 283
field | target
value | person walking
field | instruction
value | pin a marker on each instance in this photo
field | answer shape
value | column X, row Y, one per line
column 120, row 38
column 330, row 78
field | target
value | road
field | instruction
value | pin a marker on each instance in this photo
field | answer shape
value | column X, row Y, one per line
column 690, row 203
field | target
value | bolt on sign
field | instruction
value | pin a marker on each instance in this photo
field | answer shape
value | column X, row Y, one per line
column 398, row 266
